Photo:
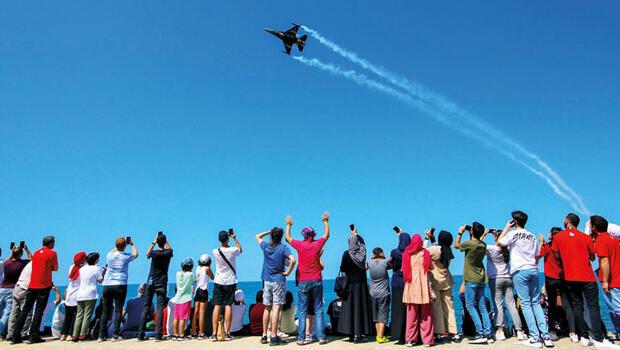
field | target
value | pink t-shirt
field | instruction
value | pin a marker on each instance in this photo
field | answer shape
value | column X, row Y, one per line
column 309, row 252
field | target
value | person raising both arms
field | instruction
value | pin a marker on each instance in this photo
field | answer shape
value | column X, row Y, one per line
column 156, row 284
column 310, row 277
column 12, row 267
column 225, row 281
column 475, row 278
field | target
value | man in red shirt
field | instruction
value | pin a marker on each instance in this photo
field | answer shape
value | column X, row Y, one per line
column 608, row 251
column 555, row 285
column 44, row 263
column 575, row 250
column 309, row 277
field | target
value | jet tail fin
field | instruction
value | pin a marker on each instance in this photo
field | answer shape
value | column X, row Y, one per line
column 302, row 42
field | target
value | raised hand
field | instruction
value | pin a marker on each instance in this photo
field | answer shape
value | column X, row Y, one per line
column 288, row 220
column 325, row 216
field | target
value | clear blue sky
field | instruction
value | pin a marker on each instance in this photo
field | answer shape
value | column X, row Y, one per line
column 128, row 118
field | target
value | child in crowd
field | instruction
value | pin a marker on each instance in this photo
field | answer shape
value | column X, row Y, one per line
column 201, row 299
column 87, row 295
column 183, row 298
column 379, row 292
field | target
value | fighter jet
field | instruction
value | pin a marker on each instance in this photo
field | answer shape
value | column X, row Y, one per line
column 289, row 38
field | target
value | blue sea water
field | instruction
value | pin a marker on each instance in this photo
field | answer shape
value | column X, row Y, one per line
column 251, row 288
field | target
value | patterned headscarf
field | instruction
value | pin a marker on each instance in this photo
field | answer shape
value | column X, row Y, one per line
column 357, row 249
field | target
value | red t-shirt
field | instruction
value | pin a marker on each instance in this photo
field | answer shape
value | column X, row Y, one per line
column 256, row 319
column 44, row 262
column 553, row 269
column 575, row 248
column 607, row 246
column 309, row 253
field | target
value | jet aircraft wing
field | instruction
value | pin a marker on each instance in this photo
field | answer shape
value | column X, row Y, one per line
column 288, row 48
column 293, row 30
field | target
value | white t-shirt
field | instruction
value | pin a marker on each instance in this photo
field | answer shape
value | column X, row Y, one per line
column 524, row 249
column 496, row 266
column 237, row 317
column 202, row 279
column 24, row 277
column 224, row 275
column 72, row 289
column 90, row 275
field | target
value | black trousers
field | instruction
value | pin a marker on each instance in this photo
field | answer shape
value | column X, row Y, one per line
column 112, row 296
column 162, row 300
column 577, row 291
column 39, row 296
column 67, row 324
column 555, row 287
column 399, row 316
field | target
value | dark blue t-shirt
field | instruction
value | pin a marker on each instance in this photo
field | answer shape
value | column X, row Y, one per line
column 274, row 261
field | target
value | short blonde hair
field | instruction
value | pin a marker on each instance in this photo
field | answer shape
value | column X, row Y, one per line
column 121, row 243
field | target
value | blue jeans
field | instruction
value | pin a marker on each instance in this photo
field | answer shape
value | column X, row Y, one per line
column 6, row 301
column 477, row 308
column 305, row 291
column 528, row 289
column 612, row 299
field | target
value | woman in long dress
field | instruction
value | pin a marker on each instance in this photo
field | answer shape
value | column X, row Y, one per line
column 418, row 294
column 356, row 315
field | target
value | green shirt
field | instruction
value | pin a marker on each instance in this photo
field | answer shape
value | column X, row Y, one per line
column 185, row 282
column 474, row 255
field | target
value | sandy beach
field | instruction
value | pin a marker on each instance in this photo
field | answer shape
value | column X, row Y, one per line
column 253, row 343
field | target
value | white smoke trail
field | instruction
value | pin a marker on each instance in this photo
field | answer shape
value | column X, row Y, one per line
column 450, row 108
column 362, row 80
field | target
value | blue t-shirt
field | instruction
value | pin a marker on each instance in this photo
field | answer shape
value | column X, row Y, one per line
column 118, row 268
column 274, row 261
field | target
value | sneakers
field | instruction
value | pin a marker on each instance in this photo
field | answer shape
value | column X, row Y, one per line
column 573, row 338
column 605, row 345
column 548, row 343
column 116, row 338
column 532, row 343
column 457, row 338
column 521, row 335
column 275, row 341
column 323, row 341
column 499, row 335
column 479, row 339
column 382, row 340
column 159, row 338
column 490, row 340
column 229, row 337
column 585, row 342
column 101, row 339
column 263, row 340
column 409, row 344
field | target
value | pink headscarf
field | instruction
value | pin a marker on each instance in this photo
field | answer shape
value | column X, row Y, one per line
column 414, row 247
